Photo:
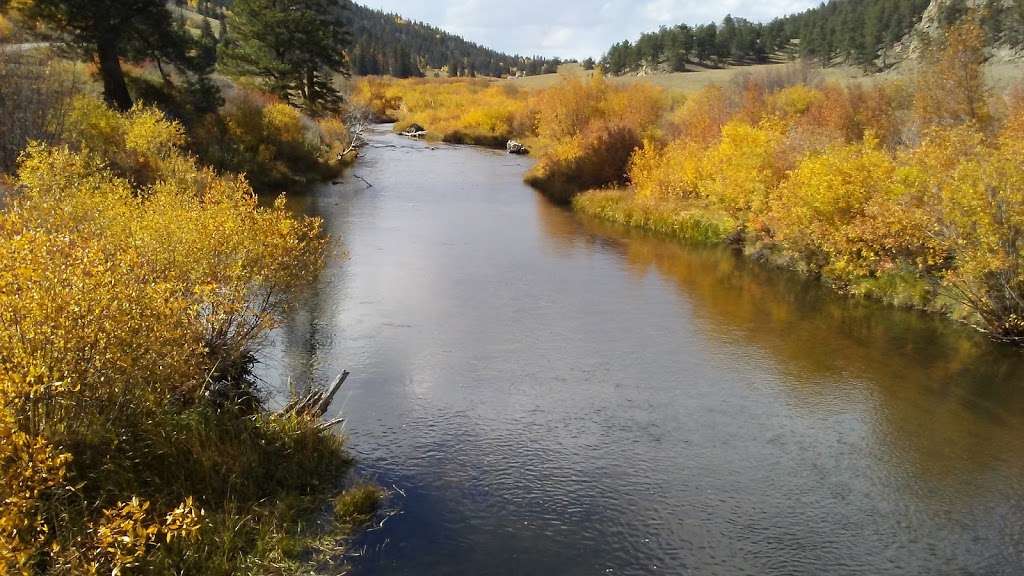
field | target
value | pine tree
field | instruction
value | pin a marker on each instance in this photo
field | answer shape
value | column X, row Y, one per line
column 294, row 46
column 107, row 31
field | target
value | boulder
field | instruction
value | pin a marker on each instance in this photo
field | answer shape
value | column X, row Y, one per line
column 513, row 147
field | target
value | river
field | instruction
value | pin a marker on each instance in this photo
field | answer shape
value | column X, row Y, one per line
column 556, row 396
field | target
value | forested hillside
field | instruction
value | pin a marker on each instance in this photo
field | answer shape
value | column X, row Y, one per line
column 856, row 32
column 388, row 44
column 391, row 45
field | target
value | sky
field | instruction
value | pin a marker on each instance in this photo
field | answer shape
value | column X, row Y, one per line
column 574, row 28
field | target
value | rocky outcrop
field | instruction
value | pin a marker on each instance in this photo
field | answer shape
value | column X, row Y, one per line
column 931, row 24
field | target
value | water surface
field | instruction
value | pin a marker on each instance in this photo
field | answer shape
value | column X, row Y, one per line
column 557, row 396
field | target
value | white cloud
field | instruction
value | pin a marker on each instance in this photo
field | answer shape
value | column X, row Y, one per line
column 574, row 28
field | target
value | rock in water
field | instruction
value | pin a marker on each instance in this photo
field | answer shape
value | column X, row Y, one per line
column 513, row 147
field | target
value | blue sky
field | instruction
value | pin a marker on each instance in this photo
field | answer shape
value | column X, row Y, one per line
column 574, row 28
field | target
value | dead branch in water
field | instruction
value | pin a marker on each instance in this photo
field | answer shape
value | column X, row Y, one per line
column 315, row 404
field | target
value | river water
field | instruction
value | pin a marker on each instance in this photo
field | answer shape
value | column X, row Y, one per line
column 549, row 395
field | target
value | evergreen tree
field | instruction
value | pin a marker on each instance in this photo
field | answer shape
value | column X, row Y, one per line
column 294, row 46
column 377, row 34
column 107, row 31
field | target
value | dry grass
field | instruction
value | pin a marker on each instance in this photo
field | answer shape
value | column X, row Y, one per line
column 1002, row 75
column 679, row 81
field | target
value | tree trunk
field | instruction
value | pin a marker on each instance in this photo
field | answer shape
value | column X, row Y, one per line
column 310, row 87
column 115, row 90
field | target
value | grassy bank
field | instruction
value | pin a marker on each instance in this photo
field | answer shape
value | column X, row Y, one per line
column 697, row 224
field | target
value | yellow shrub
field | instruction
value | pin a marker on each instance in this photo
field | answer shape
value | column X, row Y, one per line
column 977, row 188
column 854, row 212
column 376, row 94
column 335, row 137
column 272, row 143
column 6, row 28
column 671, row 172
column 285, row 124
column 142, row 144
column 30, row 469
column 794, row 101
column 738, row 173
column 701, row 117
column 103, row 263
column 127, row 533
column 565, row 110
column 464, row 111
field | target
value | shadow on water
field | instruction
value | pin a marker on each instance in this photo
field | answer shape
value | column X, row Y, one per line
column 560, row 396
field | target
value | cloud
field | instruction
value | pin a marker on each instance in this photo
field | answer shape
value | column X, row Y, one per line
column 574, row 28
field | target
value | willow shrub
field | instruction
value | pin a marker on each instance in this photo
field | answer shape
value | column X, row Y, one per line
column 853, row 212
column 976, row 193
column 584, row 130
column 136, row 277
column 598, row 157
column 458, row 111
column 272, row 143
column 588, row 132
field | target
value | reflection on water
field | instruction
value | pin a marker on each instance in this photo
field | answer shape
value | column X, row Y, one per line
column 563, row 396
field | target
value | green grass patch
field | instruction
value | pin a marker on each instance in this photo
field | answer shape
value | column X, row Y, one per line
column 692, row 223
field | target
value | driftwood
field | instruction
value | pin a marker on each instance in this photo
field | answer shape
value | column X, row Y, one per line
column 415, row 131
column 315, row 404
column 357, row 121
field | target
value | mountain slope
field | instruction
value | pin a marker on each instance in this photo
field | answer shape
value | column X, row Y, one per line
column 389, row 44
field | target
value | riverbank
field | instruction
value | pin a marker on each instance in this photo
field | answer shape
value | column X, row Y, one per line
column 134, row 436
column 513, row 354
column 881, row 189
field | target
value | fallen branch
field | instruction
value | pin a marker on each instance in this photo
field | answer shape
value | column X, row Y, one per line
column 315, row 404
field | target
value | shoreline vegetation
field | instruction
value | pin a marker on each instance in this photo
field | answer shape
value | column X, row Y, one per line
column 903, row 189
column 147, row 260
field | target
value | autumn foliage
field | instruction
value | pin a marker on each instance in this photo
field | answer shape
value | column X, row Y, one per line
column 137, row 279
column 905, row 190
column 871, row 186
column 584, row 130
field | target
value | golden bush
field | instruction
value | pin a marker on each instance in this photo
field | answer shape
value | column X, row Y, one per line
column 137, row 276
column 854, row 212
column 738, row 173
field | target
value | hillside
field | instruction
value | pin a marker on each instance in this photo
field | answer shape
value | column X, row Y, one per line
column 872, row 34
column 389, row 44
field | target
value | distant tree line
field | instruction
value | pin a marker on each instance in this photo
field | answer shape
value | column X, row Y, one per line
column 852, row 31
column 387, row 44
column 734, row 40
